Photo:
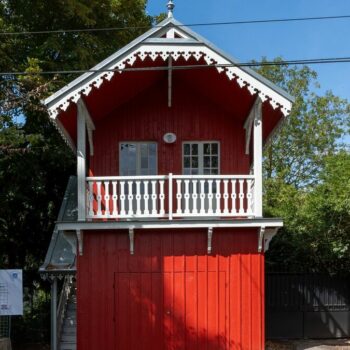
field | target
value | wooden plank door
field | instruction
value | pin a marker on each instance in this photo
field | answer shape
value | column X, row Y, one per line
column 171, row 310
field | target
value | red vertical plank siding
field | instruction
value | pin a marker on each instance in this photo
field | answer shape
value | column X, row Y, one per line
column 171, row 294
column 192, row 118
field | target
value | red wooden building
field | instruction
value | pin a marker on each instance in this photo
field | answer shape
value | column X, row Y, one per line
column 163, row 225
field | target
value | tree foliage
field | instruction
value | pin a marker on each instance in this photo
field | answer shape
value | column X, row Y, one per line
column 35, row 163
column 312, row 131
column 307, row 177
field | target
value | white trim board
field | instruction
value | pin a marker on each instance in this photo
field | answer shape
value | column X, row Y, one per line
column 140, row 48
column 178, row 224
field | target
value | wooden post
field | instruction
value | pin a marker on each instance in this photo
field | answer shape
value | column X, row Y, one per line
column 258, row 158
column 81, row 161
column 54, row 314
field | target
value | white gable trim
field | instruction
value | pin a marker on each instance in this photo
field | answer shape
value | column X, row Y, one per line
column 64, row 134
column 153, row 51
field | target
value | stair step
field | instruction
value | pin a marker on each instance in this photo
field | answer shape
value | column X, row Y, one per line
column 69, row 324
column 69, row 328
column 68, row 338
column 69, row 333
column 68, row 346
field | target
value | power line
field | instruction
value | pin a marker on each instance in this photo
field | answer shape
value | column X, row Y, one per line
column 256, row 21
column 331, row 60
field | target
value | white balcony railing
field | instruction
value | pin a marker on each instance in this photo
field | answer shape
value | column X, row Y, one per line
column 170, row 196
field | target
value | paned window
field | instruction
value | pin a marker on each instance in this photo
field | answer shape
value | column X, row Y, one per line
column 201, row 158
column 137, row 158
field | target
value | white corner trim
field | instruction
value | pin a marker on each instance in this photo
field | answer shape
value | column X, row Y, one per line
column 155, row 51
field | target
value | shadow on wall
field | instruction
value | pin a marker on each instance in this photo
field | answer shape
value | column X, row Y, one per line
column 172, row 295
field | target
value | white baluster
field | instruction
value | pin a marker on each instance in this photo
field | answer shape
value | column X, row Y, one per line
column 154, row 198
column 91, row 199
column 178, row 197
column 233, row 197
column 218, row 196
column 253, row 199
column 225, row 196
column 202, row 196
column 241, row 197
column 187, row 196
column 146, row 197
column 115, row 199
column 130, row 198
column 170, row 180
column 99, row 198
column 161, row 197
column 194, row 197
column 249, row 197
column 106, row 198
column 122, row 198
column 210, row 196
column 138, row 198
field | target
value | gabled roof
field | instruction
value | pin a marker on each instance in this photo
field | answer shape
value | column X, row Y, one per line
column 154, row 43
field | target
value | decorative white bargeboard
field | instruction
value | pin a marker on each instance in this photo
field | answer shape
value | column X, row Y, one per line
column 170, row 196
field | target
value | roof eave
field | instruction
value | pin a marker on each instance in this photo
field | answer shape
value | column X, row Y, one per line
column 248, row 70
column 144, row 39
column 86, row 76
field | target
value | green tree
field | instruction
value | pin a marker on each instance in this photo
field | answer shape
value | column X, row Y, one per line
column 316, row 236
column 299, row 186
column 34, row 160
column 312, row 130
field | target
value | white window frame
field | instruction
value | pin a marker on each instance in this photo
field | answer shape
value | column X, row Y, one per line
column 138, row 155
column 200, row 154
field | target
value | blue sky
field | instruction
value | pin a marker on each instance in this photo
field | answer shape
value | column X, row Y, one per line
column 294, row 40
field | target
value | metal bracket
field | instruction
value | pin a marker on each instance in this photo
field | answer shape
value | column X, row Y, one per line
column 80, row 238
column 261, row 238
column 210, row 237
column 70, row 237
column 269, row 234
column 248, row 132
column 248, row 125
column 131, row 239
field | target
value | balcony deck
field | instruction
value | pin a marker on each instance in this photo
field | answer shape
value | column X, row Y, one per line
column 170, row 197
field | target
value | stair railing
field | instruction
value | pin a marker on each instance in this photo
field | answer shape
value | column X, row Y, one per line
column 62, row 304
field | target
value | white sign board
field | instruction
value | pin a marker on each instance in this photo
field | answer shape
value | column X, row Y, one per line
column 11, row 292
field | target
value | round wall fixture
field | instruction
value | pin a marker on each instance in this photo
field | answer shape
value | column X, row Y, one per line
column 169, row 137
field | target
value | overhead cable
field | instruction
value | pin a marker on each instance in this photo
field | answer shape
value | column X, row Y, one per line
column 203, row 24
column 314, row 61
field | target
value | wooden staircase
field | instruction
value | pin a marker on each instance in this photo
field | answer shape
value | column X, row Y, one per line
column 68, row 338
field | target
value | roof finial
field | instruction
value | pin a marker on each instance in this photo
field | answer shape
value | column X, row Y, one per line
column 170, row 5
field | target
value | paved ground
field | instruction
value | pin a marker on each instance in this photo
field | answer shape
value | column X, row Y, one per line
column 341, row 344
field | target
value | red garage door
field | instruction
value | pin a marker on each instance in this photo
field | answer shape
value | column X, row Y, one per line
column 172, row 310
